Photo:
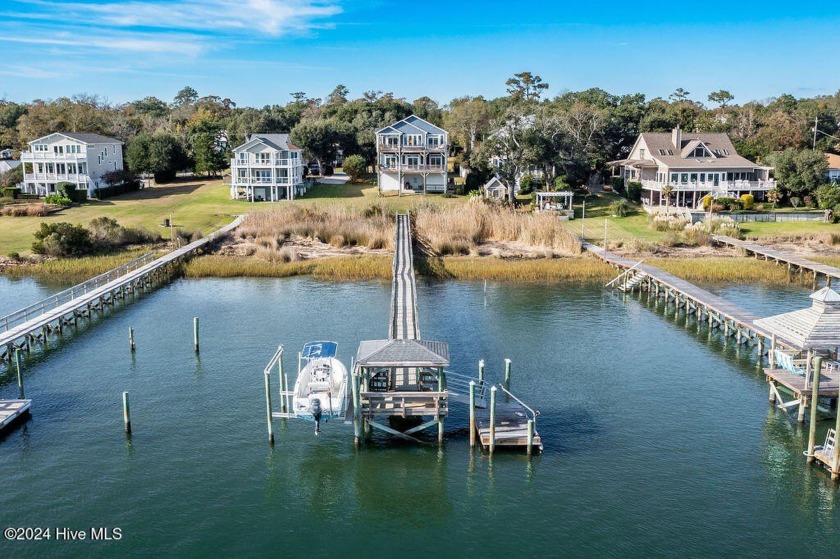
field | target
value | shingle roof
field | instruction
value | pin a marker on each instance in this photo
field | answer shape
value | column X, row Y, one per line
column 833, row 160
column 276, row 141
column 90, row 138
column 411, row 125
column 817, row 327
column 402, row 353
column 718, row 143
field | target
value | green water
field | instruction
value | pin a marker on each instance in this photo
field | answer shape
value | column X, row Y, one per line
column 659, row 440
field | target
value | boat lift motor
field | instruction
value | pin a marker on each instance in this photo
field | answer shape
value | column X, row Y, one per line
column 315, row 408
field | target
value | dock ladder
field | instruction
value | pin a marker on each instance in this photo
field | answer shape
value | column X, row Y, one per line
column 627, row 280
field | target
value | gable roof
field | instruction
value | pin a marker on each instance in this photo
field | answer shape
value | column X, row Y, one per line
column 494, row 182
column 817, row 327
column 411, row 125
column 833, row 160
column 402, row 353
column 725, row 155
column 84, row 137
column 275, row 141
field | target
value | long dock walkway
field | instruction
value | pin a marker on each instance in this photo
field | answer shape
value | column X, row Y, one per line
column 33, row 324
column 404, row 324
column 792, row 261
column 734, row 320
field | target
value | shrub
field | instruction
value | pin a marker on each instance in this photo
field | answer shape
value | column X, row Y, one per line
column 14, row 255
column 620, row 208
column 561, row 184
column 69, row 190
column 526, row 183
column 668, row 222
column 105, row 232
column 836, row 213
column 62, row 239
column 58, row 200
column 11, row 192
column 795, row 201
column 729, row 204
column 747, row 201
column 617, row 184
column 25, row 210
column 828, row 196
column 108, row 191
column 809, row 201
column 634, row 191
column 354, row 166
column 707, row 201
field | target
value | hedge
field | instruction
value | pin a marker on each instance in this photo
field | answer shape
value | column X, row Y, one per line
column 118, row 189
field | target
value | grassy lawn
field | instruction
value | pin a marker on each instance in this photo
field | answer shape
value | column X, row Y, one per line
column 788, row 228
column 634, row 226
column 194, row 204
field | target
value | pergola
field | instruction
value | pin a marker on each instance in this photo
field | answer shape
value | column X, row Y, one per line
column 554, row 201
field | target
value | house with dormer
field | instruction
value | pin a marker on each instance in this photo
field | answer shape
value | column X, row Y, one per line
column 680, row 168
column 411, row 156
column 267, row 168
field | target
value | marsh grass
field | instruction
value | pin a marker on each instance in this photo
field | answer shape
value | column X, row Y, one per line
column 73, row 270
column 449, row 230
column 729, row 270
column 342, row 268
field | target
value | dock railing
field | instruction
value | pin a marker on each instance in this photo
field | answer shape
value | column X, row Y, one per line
column 460, row 384
column 625, row 272
column 285, row 394
column 54, row 301
column 534, row 413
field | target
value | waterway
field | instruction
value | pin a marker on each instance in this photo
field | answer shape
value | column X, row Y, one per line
column 659, row 441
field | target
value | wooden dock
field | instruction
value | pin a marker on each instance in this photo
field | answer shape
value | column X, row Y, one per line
column 26, row 328
column 511, row 429
column 720, row 313
column 404, row 325
column 11, row 410
column 793, row 262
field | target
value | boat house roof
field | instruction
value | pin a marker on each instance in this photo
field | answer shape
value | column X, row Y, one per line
column 402, row 353
column 817, row 327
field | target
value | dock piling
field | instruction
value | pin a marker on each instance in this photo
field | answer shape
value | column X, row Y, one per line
column 268, row 416
column 357, row 412
column 131, row 344
column 481, row 370
column 492, row 444
column 472, row 413
column 530, row 436
column 19, row 367
column 195, row 333
column 507, row 374
column 815, row 394
column 126, row 413
column 283, row 385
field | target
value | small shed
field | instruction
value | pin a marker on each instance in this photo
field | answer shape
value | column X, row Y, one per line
column 496, row 189
column 560, row 203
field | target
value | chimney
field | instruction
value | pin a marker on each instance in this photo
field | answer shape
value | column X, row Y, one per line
column 676, row 137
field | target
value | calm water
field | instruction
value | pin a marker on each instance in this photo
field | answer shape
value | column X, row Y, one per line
column 659, row 440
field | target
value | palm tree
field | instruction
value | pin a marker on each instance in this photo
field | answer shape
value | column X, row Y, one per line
column 667, row 190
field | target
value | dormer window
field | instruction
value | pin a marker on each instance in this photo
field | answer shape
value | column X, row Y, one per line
column 726, row 152
column 661, row 152
column 699, row 151
column 670, row 152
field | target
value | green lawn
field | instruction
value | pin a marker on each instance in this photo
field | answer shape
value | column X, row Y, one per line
column 194, row 204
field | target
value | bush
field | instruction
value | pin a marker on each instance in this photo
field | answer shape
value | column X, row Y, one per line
column 561, row 184
column 25, row 210
column 58, row 200
column 828, row 196
column 526, row 183
column 11, row 192
column 69, row 190
column 109, row 191
column 809, row 201
column 707, row 201
column 634, row 191
column 795, row 201
column 620, row 208
column 105, row 232
column 62, row 239
column 354, row 166
column 617, row 184
column 747, row 201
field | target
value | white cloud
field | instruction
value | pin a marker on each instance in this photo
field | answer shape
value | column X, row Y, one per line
column 134, row 42
column 267, row 17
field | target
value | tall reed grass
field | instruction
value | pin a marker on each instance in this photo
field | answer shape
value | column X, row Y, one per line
column 729, row 270
column 457, row 230
column 72, row 270
column 342, row 268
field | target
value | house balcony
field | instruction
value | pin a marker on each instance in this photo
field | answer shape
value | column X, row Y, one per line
column 382, row 147
column 265, row 163
column 52, row 157
column 266, row 181
column 56, row 177
column 721, row 186
column 413, row 168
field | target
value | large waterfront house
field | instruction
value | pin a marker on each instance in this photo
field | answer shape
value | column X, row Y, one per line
column 833, row 171
column 80, row 158
column 690, row 165
column 6, row 161
column 267, row 167
column 411, row 155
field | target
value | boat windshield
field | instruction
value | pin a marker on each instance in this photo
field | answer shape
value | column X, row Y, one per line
column 315, row 350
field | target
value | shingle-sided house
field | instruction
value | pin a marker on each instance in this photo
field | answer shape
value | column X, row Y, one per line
column 411, row 155
column 693, row 164
column 833, row 171
column 78, row 157
column 267, row 167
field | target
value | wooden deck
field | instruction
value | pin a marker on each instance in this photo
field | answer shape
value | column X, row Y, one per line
column 511, row 426
column 780, row 257
column 829, row 382
column 737, row 316
column 10, row 410
column 404, row 325
column 36, row 321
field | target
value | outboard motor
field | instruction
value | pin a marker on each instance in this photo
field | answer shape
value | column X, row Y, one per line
column 315, row 408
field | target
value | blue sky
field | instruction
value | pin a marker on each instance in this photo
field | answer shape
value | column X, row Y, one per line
column 258, row 51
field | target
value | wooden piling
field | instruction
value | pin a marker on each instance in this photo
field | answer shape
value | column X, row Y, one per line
column 131, row 344
column 472, row 413
column 492, row 445
column 481, row 370
column 530, row 436
column 835, row 457
column 19, row 367
column 815, row 394
column 357, row 412
column 507, row 374
column 268, row 416
column 195, row 333
column 283, row 386
column 126, row 413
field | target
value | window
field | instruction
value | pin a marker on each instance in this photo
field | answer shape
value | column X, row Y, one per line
column 41, row 147
column 263, row 157
column 699, row 151
column 684, row 178
column 726, row 152
column 435, row 160
column 674, row 177
column 702, row 177
column 71, row 168
column 82, row 168
column 113, row 149
column 40, row 167
column 670, row 152
column 241, row 173
column 433, row 141
column 641, row 154
column 58, row 150
column 60, row 168
column 661, row 152
column 242, row 158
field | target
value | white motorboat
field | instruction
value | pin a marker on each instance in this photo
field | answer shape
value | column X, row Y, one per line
column 321, row 386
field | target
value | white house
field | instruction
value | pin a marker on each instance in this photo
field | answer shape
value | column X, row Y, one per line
column 267, row 167
column 6, row 161
column 77, row 157
column 411, row 155
column 833, row 171
column 693, row 165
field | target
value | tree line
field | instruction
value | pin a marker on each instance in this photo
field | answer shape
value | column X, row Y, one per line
column 570, row 137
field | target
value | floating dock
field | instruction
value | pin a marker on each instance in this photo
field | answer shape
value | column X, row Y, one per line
column 793, row 262
column 11, row 410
